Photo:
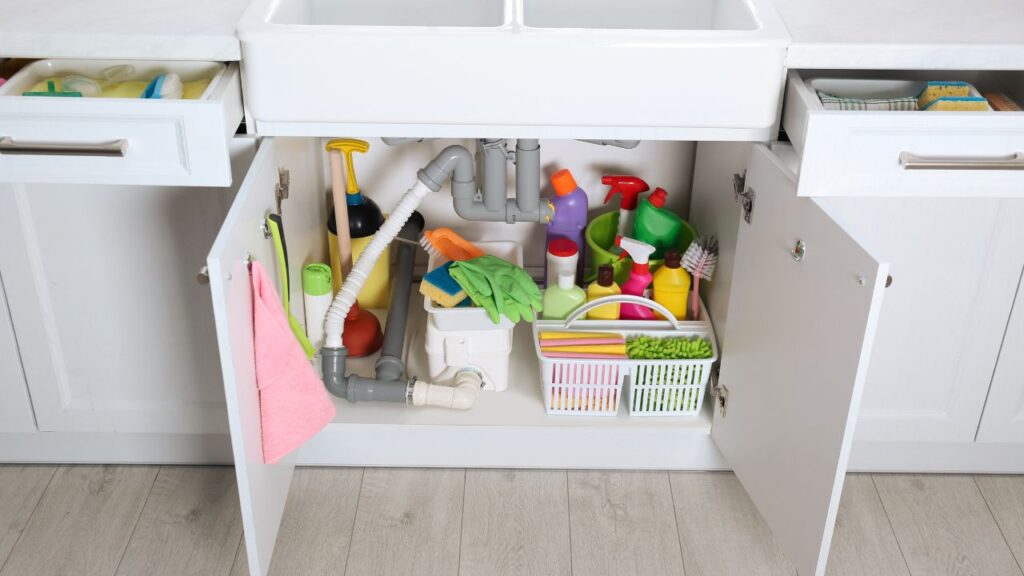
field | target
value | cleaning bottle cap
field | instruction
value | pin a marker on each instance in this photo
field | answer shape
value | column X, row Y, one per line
column 629, row 186
column 563, row 182
column 605, row 275
column 316, row 279
column 657, row 198
column 566, row 280
column 563, row 248
column 639, row 251
column 672, row 259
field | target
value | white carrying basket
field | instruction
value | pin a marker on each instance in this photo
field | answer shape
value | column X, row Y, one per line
column 588, row 387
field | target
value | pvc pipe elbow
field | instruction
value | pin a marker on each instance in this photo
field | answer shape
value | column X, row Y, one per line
column 460, row 396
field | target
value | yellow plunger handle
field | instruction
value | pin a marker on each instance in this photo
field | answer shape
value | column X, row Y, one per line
column 347, row 146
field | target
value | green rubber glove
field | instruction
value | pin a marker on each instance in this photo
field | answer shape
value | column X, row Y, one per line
column 498, row 286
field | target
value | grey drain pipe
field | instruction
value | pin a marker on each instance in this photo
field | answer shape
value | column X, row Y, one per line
column 457, row 162
column 389, row 385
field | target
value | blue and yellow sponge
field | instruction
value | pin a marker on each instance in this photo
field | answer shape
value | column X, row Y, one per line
column 439, row 286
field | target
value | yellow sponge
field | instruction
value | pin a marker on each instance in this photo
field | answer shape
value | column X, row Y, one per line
column 935, row 90
column 958, row 104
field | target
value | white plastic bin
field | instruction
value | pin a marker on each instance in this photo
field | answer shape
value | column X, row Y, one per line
column 656, row 387
column 473, row 318
column 466, row 338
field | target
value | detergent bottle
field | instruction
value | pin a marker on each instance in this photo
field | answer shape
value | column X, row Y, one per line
column 639, row 278
column 560, row 300
column 364, row 219
column 604, row 286
column 655, row 225
column 672, row 285
column 570, row 217
column 630, row 187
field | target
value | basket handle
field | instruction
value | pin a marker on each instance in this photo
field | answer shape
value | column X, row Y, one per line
column 621, row 299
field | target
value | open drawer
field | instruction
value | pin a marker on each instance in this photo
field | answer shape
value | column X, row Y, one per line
column 119, row 140
column 791, row 382
column 886, row 153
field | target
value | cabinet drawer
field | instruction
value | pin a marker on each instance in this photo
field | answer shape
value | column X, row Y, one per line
column 885, row 153
column 119, row 140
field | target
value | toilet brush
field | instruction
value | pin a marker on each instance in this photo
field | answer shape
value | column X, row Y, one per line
column 700, row 260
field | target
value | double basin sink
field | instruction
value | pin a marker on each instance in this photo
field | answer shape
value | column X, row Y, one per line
column 536, row 68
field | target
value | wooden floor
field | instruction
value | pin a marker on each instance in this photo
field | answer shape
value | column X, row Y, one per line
column 182, row 521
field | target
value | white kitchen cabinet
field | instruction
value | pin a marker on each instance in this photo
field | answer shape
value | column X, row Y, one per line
column 113, row 328
column 781, row 360
column 955, row 265
column 120, row 140
column 1003, row 419
column 16, row 408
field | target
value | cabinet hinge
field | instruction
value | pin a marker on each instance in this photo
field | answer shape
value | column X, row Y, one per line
column 284, row 178
column 719, row 392
column 743, row 195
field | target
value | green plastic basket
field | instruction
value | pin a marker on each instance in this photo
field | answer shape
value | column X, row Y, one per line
column 600, row 237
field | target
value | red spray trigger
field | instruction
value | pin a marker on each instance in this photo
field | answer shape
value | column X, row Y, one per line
column 629, row 186
column 618, row 242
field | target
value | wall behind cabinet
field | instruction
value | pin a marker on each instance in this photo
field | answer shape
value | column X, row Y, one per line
column 386, row 172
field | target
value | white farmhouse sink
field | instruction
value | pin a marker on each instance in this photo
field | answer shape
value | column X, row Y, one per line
column 679, row 69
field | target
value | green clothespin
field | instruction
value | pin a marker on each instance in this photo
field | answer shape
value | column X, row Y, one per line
column 51, row 90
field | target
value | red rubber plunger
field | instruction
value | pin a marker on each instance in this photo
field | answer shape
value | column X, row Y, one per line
column 362, row 335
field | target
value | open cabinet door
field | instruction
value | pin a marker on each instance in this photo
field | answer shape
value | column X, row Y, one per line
column 262, row 488
column 800, row 332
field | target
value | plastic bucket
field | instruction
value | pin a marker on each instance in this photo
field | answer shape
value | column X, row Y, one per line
column 600, row 236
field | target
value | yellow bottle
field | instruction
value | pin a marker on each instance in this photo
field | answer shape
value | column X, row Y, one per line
column 604, row 286
column 672, row 286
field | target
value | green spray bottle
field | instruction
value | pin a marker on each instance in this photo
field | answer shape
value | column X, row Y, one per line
column 657, row 226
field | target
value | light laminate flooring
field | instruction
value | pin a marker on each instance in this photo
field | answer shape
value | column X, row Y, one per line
column 185, row 521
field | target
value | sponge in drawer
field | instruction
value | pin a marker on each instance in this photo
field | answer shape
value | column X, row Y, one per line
column 958, row 104
column 935, row 90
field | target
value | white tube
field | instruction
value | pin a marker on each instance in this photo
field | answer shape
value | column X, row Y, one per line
column 461, row 395
column 335, row 323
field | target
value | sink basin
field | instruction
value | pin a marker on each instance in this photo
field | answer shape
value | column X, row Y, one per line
column 457, row 13
column 651, row 69
column 639, row 14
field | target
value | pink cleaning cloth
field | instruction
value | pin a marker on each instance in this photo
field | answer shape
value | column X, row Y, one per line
column 294, row 404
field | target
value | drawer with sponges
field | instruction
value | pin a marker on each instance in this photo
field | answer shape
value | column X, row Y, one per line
column 907, row 133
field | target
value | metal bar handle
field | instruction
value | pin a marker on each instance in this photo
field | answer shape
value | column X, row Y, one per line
column 621, row 299
column 112, row 149
column 914, row 162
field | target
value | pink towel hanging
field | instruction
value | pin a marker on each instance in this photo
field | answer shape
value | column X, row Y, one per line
column 294, row 405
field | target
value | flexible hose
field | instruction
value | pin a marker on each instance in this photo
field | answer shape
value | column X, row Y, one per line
column 334, row 325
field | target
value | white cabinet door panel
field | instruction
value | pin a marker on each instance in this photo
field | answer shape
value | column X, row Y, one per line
column 16, row 408
column 955, row 264
column 262, row 488
column 1003, row 419
column 794, row 362
column 114, row 330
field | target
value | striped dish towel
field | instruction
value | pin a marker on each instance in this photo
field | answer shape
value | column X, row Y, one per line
column 832, row 102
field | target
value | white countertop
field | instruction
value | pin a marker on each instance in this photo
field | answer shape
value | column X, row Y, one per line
column 136, row 29
column 905, row 34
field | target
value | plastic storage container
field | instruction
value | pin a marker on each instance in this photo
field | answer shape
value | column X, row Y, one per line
column 600, row 237
column 466, row 338
column 656, row 387
column 472, row 318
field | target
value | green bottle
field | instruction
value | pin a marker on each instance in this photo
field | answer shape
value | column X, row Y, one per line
column 561, row 300
column 657, row 226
